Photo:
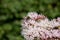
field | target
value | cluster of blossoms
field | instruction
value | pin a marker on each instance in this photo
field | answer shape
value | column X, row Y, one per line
column 38, row 27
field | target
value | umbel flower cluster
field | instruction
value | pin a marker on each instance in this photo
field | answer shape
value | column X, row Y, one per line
column 38, row 27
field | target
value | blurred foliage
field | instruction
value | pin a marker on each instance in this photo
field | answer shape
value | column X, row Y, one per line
column 13, row 11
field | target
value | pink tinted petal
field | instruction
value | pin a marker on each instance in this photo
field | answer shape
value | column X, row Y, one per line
column 58, row 19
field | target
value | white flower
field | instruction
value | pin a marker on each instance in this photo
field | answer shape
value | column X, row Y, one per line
column 32, row 15
column 58, row 19
column 56, row 33
column 39, row 26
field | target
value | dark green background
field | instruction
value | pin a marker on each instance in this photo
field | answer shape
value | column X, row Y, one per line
column 13, row 11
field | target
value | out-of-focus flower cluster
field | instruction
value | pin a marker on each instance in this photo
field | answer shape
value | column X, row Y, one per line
column 38, row 27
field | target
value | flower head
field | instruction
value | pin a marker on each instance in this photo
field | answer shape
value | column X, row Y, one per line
column 39, row 27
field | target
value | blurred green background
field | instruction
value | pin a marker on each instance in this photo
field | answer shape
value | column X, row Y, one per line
column 13, row 11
